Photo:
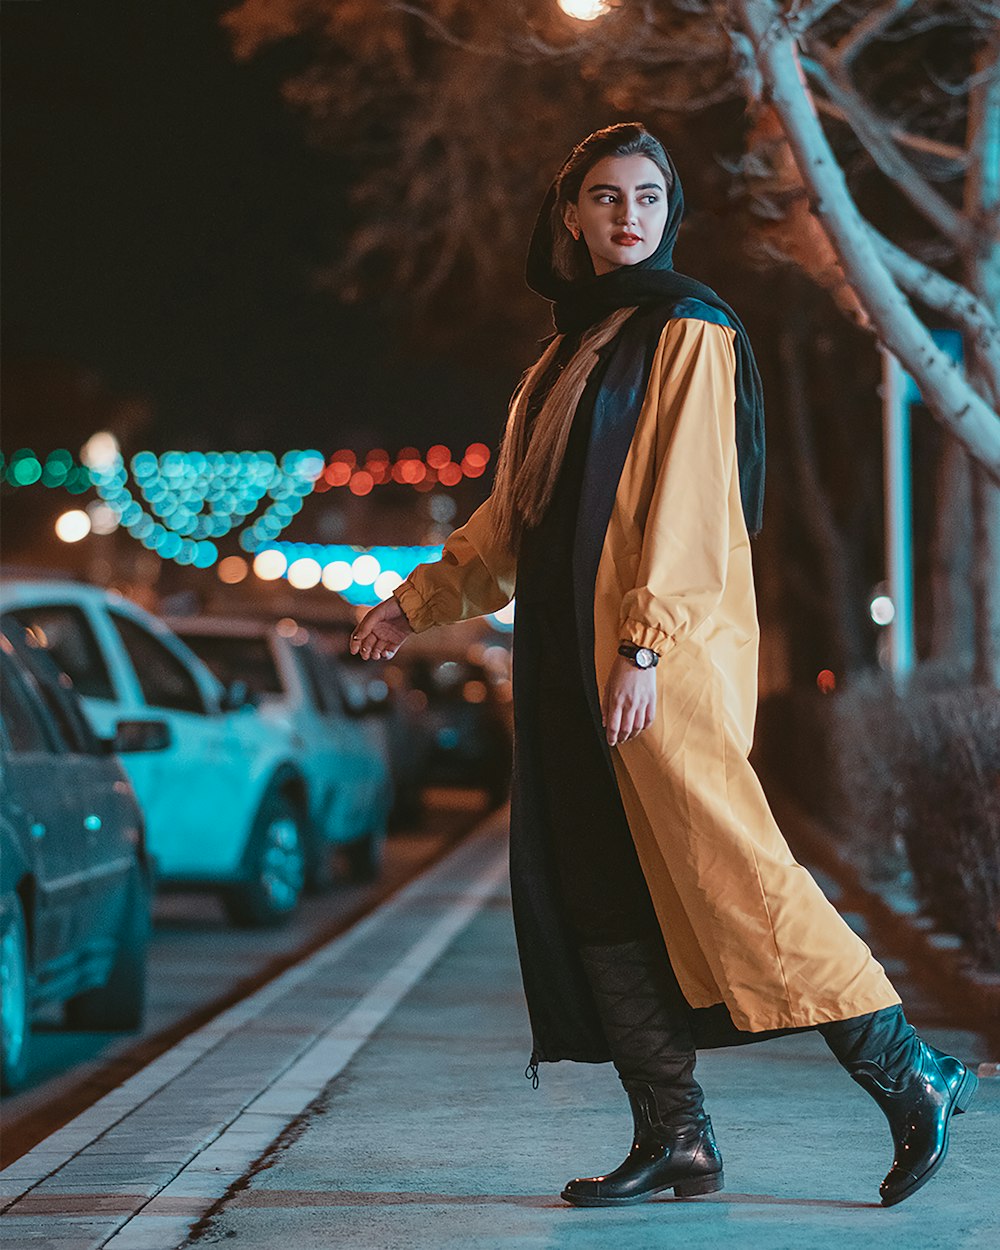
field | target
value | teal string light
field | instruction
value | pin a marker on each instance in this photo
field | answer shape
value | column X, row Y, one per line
column 177, row 503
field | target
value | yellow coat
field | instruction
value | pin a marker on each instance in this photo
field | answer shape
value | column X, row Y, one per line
column 745, row 925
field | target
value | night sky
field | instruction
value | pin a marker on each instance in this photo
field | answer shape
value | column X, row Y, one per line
column 162, row 216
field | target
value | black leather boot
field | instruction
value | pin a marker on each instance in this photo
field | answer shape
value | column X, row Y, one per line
column 919, row 1105
column 645, row 1020
column 678, row 1154
column 917, row 1087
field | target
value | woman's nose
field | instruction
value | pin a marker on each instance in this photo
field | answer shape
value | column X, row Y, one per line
column 627, row 212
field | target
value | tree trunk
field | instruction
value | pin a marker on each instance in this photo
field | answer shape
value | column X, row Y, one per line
column 982, row 196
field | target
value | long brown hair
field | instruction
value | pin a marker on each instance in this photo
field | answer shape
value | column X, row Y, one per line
column 528, row 466
column 529, row 459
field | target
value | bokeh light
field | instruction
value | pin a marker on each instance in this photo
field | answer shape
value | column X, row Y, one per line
column 232, row 570
column 304, row 573
column 882, row 610
column 100, row 451
column 269, row 565
column 366, row 569
column 73, row 525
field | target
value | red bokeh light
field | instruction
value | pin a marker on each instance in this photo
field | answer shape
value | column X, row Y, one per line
column 361, row 483
column 826, row 681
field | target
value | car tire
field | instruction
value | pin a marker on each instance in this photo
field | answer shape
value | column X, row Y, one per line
column 274, row 866
column 119, row 1005
column 15, row 1047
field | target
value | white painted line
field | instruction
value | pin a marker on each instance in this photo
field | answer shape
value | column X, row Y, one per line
column 56, row 1150
column 241, row 1144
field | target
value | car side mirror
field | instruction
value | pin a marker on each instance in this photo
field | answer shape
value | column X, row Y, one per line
column 236, row 696
column 139, row 735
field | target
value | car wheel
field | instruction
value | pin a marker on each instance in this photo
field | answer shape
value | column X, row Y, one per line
column 120, row 1004
column 275, row 866
column 15, row 1016
column 364, row 856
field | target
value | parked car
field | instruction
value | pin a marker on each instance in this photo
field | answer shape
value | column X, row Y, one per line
column 470, row 731
column 377, row 690
column 226, row 804
column 74, row 875
column 295, row 685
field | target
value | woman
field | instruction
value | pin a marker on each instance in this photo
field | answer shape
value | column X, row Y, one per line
column 657, row 906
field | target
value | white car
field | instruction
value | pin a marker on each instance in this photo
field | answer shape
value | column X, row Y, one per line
column 226, row 804
column 301, row 689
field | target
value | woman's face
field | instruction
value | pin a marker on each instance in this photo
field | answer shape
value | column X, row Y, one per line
column 620, row 212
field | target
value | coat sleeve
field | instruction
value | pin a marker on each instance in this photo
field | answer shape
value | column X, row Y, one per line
column 472, row 578
column 686, row 536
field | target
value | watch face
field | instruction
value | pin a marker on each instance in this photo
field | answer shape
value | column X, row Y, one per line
column 644, row 657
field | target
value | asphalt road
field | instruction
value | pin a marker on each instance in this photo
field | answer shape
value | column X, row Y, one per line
column 200, row 964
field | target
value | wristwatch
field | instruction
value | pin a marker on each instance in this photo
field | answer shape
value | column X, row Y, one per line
column 641, row 657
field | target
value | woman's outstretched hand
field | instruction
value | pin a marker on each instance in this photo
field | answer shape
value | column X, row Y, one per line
column 381, row 631
column 629, row 703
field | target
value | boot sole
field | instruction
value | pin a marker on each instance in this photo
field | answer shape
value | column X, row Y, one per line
column 690, row 1188
column 965, row 1095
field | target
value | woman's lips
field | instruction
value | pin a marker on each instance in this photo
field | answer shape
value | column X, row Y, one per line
column 625, row 239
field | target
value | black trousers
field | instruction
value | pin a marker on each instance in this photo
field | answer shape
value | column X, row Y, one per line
column 605, row 893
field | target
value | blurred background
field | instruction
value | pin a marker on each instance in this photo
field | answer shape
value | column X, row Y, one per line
column 263, row 309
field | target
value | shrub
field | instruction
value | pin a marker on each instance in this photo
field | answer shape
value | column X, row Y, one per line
column 904, row 779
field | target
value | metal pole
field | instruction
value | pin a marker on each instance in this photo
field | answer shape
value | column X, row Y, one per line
column 898, row 513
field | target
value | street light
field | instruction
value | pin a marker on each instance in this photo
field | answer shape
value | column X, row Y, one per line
column 585, row 10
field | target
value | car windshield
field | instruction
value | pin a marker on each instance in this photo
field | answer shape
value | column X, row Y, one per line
column 249, row 660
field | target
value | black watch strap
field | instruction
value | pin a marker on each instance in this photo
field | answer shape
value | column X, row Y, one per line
column 630, row 649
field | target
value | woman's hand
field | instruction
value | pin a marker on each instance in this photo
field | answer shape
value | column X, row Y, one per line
column 629, row 701
column 381, row 631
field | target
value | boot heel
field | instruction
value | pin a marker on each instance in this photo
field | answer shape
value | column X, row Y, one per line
column 699, row 1185
column 970, row 1083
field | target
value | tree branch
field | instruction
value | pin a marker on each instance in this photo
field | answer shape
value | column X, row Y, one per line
column 805, row 13
column 949, row 298
column 954, row 402
column 950, row 152
column 870, row 27
column 872, row 130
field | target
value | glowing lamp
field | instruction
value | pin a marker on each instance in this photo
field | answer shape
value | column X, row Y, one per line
column 585, row 10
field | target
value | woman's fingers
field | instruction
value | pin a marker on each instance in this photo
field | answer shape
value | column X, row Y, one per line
column 380, row 632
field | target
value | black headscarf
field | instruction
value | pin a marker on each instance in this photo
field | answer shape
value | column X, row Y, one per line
column 582, row 303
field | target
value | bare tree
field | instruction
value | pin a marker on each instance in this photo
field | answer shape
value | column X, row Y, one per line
column 870, row 158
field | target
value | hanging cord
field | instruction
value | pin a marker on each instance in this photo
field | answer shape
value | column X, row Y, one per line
column 531, row 1071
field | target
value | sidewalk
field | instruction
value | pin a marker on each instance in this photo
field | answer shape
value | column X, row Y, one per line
column 432, row 1138
column 374, row 1097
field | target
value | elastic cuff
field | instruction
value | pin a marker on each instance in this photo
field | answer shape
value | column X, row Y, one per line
column 644, row 635
column 414, row 607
